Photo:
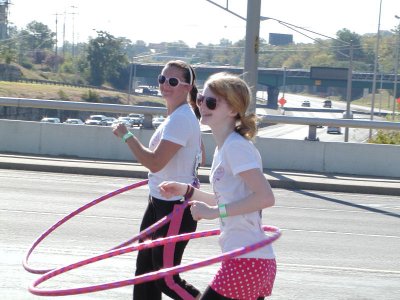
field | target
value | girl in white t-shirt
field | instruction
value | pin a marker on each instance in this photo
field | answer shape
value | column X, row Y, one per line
column 174, row 153
column 240, row 188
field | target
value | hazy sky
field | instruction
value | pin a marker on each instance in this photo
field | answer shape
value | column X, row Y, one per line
column 195, row 21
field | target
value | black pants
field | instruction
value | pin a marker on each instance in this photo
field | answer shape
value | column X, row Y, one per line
column 210, row 294
column 164, row 256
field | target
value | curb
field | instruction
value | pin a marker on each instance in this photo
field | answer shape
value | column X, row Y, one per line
column 137, row 171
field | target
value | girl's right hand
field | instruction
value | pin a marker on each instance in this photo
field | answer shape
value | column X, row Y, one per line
column 169, row 189
column 119, row 129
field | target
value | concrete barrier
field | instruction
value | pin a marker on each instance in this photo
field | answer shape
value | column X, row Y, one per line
column 97, row 142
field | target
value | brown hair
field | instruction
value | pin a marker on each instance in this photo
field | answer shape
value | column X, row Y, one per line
column 237, row 94
column 190, row 76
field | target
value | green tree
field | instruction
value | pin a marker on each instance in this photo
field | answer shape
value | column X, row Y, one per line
column 106, row 58
column 36, row 40
column 341, row 46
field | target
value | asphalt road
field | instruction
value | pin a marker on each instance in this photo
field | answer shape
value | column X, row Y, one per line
column 299, row 132
column 333, row 245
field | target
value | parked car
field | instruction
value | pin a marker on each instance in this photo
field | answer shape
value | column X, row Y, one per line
column 157, row 121
column 333, row 129
column 136, row 119
column 327, row 104
column 96, row 120
column 50, row 120
column 306, row 103
column 74, row 121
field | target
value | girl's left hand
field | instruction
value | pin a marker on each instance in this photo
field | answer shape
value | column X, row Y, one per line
column 200, row 210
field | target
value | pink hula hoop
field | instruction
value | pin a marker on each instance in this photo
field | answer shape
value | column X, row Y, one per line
column 74, row 213
column 149, row 276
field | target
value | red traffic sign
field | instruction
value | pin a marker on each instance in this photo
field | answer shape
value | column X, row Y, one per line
column 398, row 100
column 282, row 101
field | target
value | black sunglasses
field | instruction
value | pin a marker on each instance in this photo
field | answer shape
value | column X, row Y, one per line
column 211, row 102
column 171, row 81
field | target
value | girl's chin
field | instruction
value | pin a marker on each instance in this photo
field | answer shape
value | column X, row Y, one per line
column 204, row 120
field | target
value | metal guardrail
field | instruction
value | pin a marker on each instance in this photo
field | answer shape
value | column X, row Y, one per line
column 150, row 111
column 147, row 111
column 314, row 122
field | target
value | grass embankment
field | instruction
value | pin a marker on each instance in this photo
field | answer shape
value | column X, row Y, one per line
column 69, row 93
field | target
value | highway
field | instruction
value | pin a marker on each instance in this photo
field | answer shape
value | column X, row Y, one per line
column 333, row 245
column 299, row 132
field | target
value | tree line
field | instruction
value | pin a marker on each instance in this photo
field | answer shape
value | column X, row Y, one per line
column 105, row 59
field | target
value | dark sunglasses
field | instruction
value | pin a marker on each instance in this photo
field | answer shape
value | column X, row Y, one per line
column 171, row 81
column 211, row 102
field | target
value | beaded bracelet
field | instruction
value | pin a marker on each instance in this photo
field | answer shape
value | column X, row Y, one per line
column 189, row 192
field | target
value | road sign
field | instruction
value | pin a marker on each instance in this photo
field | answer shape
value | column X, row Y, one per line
column 398, row 100
column 282, row 101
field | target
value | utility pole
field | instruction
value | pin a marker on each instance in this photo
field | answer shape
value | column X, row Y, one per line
column 375, row 67
column 252, row 45
column 348, row 114
column 73, row 30
column 56, row 48
column 63, row 44
column 396, row 68
column 251, row 50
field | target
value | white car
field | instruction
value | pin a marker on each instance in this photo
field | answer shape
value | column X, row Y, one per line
column 125, row 120
column 333, row 129
column 96, row 120
column 74, row 121
column 157, row 121
column 50, row 120
column 136, row 119
column 110, row 121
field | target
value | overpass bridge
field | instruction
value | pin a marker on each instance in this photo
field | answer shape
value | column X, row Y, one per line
column 271, row 79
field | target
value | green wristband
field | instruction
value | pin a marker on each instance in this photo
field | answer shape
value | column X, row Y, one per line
column 127, row 136
column 222, row 211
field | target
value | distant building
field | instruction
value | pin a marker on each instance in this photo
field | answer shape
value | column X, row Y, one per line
column 280, row 39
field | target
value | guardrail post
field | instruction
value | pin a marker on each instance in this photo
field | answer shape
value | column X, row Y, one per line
column 147, row 121
column 312, row 133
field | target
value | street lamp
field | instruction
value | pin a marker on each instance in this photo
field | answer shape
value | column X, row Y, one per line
column 396, row 67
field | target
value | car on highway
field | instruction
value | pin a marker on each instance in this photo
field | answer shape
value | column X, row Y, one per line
column 333, row 129
column 327, row 104
column 96, row 120
column 110, row 121
column 157, row 121
column 74, row 121
column 124, row 120
column 306, row 103
column 50, row 120
column 146, row 90
column 136, row 119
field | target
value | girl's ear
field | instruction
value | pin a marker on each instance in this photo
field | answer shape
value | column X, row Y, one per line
column 233, row 113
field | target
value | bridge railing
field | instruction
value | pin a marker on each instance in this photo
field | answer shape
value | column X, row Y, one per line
column 147, row 111
column 314, row 122
column 98, row 142
column 150, row 111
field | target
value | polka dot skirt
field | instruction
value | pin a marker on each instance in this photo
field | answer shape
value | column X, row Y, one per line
column 245, row 278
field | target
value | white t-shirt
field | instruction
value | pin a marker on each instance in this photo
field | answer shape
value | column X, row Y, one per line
column 183, row 128
column 236, row 155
